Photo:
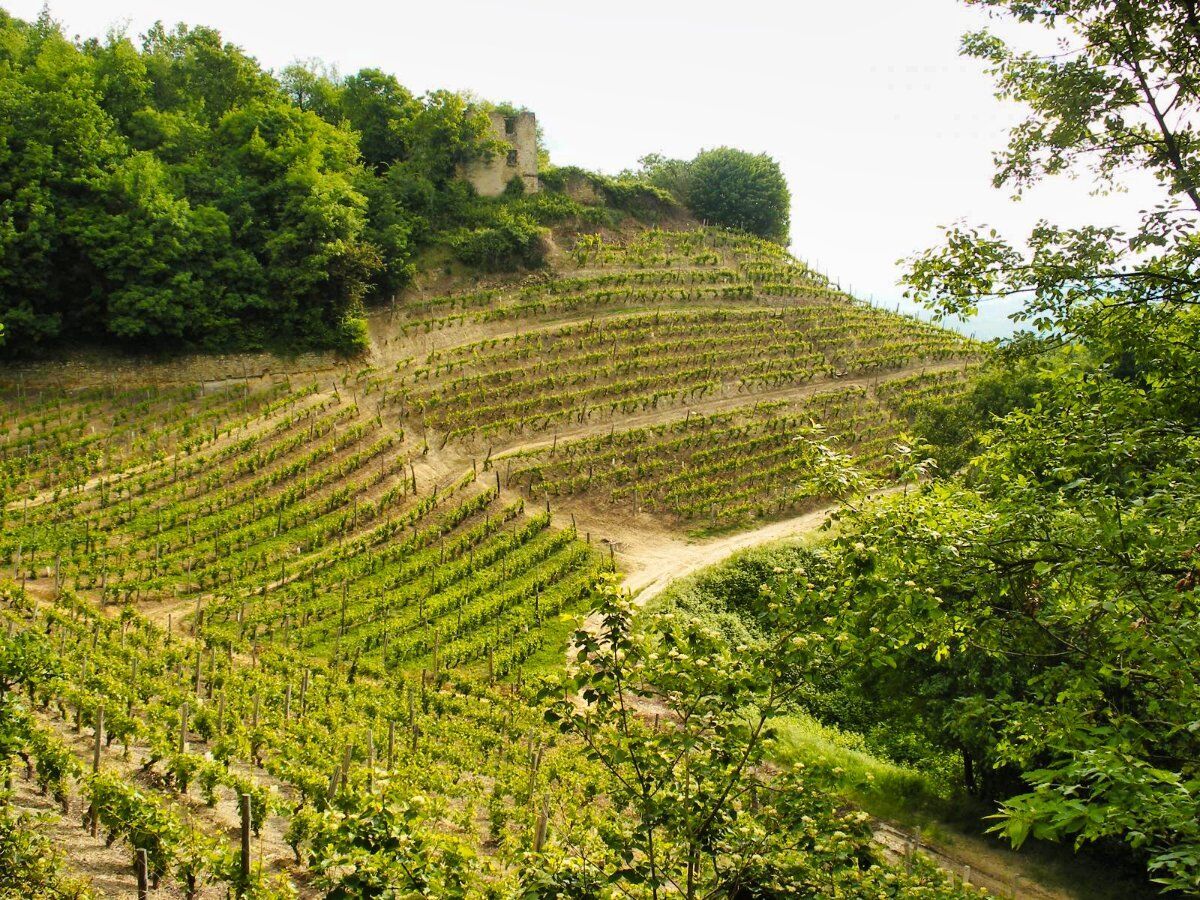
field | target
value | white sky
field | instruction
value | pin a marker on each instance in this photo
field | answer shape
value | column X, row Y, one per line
column 884, row 133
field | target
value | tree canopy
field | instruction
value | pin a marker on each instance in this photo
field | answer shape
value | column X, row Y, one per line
column 1039, row 610
column 729, row 188
column 174, row 194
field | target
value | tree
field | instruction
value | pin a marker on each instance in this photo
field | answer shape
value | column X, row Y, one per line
column 1121, row 95
column 173, row 193
column 296, row 206
column 55, row 143
column 736, row 189
column 379, row 108
column 680, row 722
column 1049, row 600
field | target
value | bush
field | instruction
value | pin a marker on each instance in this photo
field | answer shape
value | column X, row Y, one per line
column 548, row 207
column 512, row 241
column 628, row 192
column 635, row 196
column 515, row 187
column 31, row 867
column 352, row 336
column 740, row 190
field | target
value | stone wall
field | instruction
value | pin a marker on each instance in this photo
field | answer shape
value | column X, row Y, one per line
column 491, row 176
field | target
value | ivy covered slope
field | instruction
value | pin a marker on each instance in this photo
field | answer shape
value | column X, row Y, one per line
column 337, row 592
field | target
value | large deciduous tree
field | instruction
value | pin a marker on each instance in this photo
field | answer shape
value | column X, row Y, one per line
column 1041, row 612
column 740, row 190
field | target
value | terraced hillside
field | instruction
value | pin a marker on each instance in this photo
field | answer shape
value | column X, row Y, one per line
column 323, row 588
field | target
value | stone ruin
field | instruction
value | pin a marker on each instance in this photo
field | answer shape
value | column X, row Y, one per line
column 491, row 176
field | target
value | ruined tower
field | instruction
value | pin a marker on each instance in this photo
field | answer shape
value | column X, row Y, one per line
column 491, row 176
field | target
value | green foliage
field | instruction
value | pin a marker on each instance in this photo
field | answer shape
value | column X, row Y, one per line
column 727, row 187
column 174, row 194
column 368, row 846
column 624, row 193
column 1042, row 610
column 671, row 175
column 740, row 190
column 26, row 658
column 954, row 426
column 31, row 867
column 512, row 241
column 547, row 208
column 133, row 816
column 177, row 195
column 1020, row 620
column 703, row 816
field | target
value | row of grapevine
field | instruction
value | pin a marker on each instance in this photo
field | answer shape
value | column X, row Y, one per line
column 751, row 462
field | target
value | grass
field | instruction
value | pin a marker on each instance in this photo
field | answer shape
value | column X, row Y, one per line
column 949, row 820
column 882, row 788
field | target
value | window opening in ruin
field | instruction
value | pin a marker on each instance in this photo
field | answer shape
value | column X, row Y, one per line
column 512, row 157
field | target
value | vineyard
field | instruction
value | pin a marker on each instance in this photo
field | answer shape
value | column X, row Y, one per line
column 314, row 605
column 753, row 461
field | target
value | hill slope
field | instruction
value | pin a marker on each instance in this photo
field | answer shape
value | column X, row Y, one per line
column 358, row 550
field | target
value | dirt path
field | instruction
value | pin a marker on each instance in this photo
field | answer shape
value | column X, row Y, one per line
column 653, row 559
column 998, row 871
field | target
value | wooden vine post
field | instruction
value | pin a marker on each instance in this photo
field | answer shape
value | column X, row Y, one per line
column 244, row 870
column 142, row 867
column 370, row 761
column 96, row 746
column 539, row 831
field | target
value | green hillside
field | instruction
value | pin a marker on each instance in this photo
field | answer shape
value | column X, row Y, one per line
column 331, row 586
column 387, row 511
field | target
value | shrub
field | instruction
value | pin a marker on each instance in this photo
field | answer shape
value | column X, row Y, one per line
column 352, row 337
column 515, row 187
column 740, row 190
column 512, row 241
column 549, row 207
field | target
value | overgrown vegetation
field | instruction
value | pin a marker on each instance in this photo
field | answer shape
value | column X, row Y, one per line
column 1032, row 612
column 727, row 187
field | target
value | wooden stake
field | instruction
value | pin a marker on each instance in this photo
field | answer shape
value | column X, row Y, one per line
column 370, row 761
column 99, row 740
column 142, row 867
column 245, row 866
column 539, row 831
